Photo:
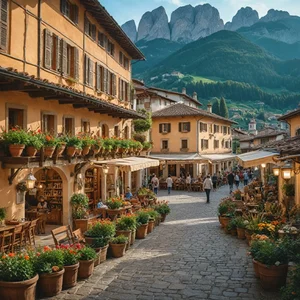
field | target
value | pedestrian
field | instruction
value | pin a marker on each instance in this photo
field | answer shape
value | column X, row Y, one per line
column 188, row 182
column 230, row 178
column 237, row 180
column 155, row 184
column 214, row 181
column 207, row 185
column 246, row 178
column 169, row 184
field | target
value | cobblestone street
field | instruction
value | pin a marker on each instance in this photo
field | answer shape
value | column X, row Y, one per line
column 187, row 257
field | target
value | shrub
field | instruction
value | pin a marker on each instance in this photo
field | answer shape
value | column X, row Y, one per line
column 292, row 290
column 74, row 141
column 86, row 253
column 80, row 203
column 226, row 208
column 127, row 222
column 121, row 239
column 70, row 254
column 101, row 229
column 163, row 208
column 15, row 136
column 142, row 217
column 114, row 203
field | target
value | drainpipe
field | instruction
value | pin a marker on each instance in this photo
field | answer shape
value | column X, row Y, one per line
column 39, row 40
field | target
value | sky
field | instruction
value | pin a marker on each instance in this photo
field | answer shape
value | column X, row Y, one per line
column 124, row 10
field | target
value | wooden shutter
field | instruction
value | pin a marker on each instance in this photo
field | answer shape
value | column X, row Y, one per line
column 76, row 63
column 105, row 80
column 120, row 58
column 47, row 48
column 4, row 24
column 188, row 126
column 86, row 69
column 76, row 13
column 120, row 89
column 128, row 91
column 124, row 89
column 97, row 81
column 63, row 4
column 114, row 85
column 94, row 32
column 179, row 127
column 160, row 128
column 91, row 72
column 110, row 83
column 86, row 25
column 58, row 54
column 169, row 127
column 64, row 57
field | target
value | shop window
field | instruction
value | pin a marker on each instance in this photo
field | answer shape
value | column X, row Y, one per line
column 184, row 144
column 85, row 126
column 116, row 131
column 203, row 127
column 164, row 128
column 184, row 127
column 204, row 144
column 69, row 125
column 4, row 25
column 165, row 144
column 104, row 131
column 216, row 144
column 49, row 123
column 16, row 118
column 89, row 29
column 70, row 10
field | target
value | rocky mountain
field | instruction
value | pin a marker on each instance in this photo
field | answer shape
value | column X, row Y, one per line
column 154, row 25
column 275, row 15
column 245, row 17
column 130, row 29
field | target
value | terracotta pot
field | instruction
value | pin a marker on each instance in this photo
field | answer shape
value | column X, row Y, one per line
column 31, row 151
column 224, row 221
column 157, row 221
column 86, row 268
column 97, row 259
column 126, row 233
column 272, row 277
column 241, row 233
column 70, row 276
column 233, row 232
column 90, row 240
column 16, row 150
column 163, row 217
column 86, row 150
column 133, row 234
column 71, row 151
column 50, row 285
column 117, row 250
column 141, row 231
column 150, row 227
column 48, row 151
column 60, row 149
column 21, row 290
column 113, row 213
column 96, row 150
column 248, row 235
column 256, row 268
column 78, row 151
column 103, row 254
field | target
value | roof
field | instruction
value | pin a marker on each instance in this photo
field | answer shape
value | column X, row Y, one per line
column 289, row 115
column 179, row 157
column 219, row 157
column 255, row 158
column 239, row 131
column 112, row 27
column 181, row 110
column 263, row 134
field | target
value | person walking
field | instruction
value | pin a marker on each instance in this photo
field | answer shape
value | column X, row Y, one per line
column 214, row 181
column 188, row 182
column 246, row 178
column 230, row 179
column 155, row 184
column 169, row 184
column 207, row 185
column 237, row 180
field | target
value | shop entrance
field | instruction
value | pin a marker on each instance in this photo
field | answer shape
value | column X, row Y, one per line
column 92, row 186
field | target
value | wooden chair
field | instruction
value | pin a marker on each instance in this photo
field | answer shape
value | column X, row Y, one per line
column 31, row 232
column 62, row 235
column 41, row 226
column 18, row 237
column 78, row 237
column 6, row 238
column 25, row 233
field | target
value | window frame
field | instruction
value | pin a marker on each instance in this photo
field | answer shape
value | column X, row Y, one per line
column 187, row 144
column 82, row 125
column 48, row 113
column 72, row 13
column 64, row 124
column 9, row 106
column 203, row 127
column 182, row 125
column 164, row 128
column 162, row 144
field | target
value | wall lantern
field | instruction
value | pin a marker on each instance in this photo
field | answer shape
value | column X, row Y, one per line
column 30, row 181
column 263, row 165
column 105, row 169
column 286, row 171
column 276, row 171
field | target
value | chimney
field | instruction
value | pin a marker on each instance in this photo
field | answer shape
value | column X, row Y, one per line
column 183, row 90
column 195, row 96
column 209, row 107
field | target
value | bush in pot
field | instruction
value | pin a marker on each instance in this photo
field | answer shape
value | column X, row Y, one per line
column 125, row 226
column 231, row 227
column 50, row 143
column 240, row 227
column 87, row 256
column 18, row 277
column 114, row 205
column 73, row 143
column 163, row 208
column 292, row 290
column 226, row 211
column 34, row 142
column 153, row 215
column 118, row 245
column 16, row 140
column 142, row 219
column 80, row 204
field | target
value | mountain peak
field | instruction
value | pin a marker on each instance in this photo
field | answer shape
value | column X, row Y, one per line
column 275, row 15
column 245, row 17
column 130, row 29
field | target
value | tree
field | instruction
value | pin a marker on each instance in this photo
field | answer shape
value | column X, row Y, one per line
column 223, row 108
column 216, row 107
column 143, row 125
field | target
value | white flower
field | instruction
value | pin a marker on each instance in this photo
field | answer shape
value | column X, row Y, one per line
column 277, row 263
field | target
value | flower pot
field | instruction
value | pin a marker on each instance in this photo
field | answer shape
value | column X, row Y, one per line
column 117, row 250
column 50, row 285
column 241, row 233
column 70, row 276
column 96, row 150
column 16, row 150
column 31, row 151
column 60, row 149
column 86, row 268
column 48, row 151
column 126, row 233
column 82, row 224
column 224, row 221
column 20, row 290
column 90, row 240
column 78, row 151
column 141, row 231
column 157, row 221
column 97, row 259
column 133, row 234
column 272, row 277
column 103, row 253
column 163, row 217
column 86, row 150
column 113, row 213
column 233, row 232
column 150, row 227
column 256, row 268
column 71, row 151
column 248, row 235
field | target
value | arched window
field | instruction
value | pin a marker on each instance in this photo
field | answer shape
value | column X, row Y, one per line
column 104, row 131
column 126, row 132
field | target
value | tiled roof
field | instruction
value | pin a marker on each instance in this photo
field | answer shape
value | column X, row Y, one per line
column 290, row 114
column 181, row 110
column 263, row 134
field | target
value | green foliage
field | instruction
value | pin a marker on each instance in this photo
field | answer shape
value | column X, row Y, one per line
column 216, row 107
column 121, row 239
column 2, row 213
column 100, row 242
column 240, row 222
column 141, row 125
column 223, row 108
column 15, row 136
column 114, row 203
column 70, row 255
column 292, row 290
column 87, row 253
column 127, row 222
column 35, row 140
column 261, row 116
column 74, row 141
column 226, row 208
column 142, row 217
column 101, row 229
column 162, row 208
column 139, row 137
column 289, row 189
column 80, row 203
column 153, row 214
column 293, row 249
column 48, row 259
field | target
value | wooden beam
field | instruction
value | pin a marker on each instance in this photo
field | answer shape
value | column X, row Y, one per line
column 41, row 94
column 15, row 86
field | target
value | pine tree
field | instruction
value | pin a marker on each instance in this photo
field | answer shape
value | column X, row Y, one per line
column 216, row 107
column 223, row 108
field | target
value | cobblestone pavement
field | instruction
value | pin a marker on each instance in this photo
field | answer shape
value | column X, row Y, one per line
column 187, row 257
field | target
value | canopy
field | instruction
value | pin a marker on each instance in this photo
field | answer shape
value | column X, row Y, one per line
column 130, row 163
column 219, row 157
column 255, row 158
column 185, row 158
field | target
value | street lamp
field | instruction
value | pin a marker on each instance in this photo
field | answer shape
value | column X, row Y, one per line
column 286, row 171
column 263, row 165
column 30, row 181
column 276, row 171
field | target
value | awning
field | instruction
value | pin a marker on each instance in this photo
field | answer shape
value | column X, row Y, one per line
column 184, row 158
column 255, row 158
column 214, row 158
column 130, row 163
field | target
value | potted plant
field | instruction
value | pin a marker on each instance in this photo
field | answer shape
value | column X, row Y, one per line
column 153, row 215
column 34, row 142
column 87, row 256
column 16, row 139
column 142, row 219
column 49, row 265
column 163, row 209
column 2, row 215
column 73, row 143
column 100, row 245
column 87, row 142
column 240, row 227
column 114, row 204
column 251, row 225
column 226, row 211
column 125, row 225
column 71, row 265
column 231, row 227
column 61, row 145
column 147, row 146
column 80, row 204
column 18, row 277
column 118, row 245
column 50, row 144
column 292, row 290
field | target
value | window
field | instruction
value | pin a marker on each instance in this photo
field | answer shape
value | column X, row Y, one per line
column 228, row 130
column 89, row 71
column 165, row 144
column 116, row 131
column 110, row 48
column 224, row 130
column 184, row 127
column 126, row 63
column 102, row 39
column 49, row 123
column 204, row 144
column 85, row 126
column 216, row 128
column 216, row 144
column 4, row 25
column 184, row 144
column 104, row 131
column 164, row 128
column 203, row 127
column 112, row 88
column 90, row 29
column 124, row 90
column 70, row 10
column 264, row 140
column 69, row 125
column 297, row 131
column 227, row 144
column 121, row 58
column 16, row 118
